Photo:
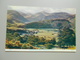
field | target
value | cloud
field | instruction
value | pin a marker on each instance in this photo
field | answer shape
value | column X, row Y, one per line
column 28, row 9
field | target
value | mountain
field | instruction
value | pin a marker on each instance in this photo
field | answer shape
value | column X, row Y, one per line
column 14, row 16
column 18, row 16
column 42, row 19
column 58, row 15
column 40, row 16
column 26, row 15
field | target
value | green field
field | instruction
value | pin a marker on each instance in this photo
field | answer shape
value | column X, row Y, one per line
column 46, row 33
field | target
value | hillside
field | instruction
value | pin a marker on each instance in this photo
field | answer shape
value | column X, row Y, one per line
column 14, row 16
column 54, row 23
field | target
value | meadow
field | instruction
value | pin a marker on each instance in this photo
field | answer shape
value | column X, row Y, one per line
column 47, row 33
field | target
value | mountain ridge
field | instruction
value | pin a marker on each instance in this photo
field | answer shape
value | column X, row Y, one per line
column 13, row 15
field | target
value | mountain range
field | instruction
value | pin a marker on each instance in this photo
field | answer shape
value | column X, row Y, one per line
column 48, row 16
column 41, row 18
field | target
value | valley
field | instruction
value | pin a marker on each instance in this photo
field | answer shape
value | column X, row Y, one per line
column 42, row 30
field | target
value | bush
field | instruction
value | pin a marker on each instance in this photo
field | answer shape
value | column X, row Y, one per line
column 13, row 45
column 27, row 46
column 49, row 46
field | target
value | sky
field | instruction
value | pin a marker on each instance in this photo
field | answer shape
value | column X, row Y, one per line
column 33, row 10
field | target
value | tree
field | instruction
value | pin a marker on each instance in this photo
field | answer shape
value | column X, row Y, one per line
column 33, row 40
column 19, row 39
column 49, row 46
column 42, row 41
column 16, row 34
column 66, row 37
column 53, row 41
column 25, row 38
column 27, row 46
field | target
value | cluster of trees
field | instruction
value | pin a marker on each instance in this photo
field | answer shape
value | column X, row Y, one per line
column 14, row 40
column 18, row 45
column 38, row 25
column 56, row 24
column 36, row 41
column 66, row 38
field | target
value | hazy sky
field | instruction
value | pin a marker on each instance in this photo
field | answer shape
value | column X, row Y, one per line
column 29, row 9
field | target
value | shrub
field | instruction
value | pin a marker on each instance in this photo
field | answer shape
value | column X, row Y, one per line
column 49, row 46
